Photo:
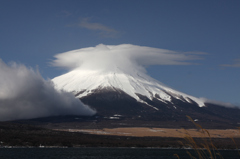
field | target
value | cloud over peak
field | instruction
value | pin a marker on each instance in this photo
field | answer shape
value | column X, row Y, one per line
column 124, row 56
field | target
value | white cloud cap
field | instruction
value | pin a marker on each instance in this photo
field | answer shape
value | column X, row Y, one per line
column 124, row 56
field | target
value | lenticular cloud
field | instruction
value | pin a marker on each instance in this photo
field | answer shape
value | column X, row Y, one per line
column 25, row 94
column 125, row 56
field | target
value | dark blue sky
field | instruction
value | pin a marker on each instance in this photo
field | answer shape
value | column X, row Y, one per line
column 33, row 31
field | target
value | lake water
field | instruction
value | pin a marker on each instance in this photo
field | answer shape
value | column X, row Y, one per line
column 100, row 153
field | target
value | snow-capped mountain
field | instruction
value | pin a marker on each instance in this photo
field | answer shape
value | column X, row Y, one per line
column 135, row 84
column 112, row 80
column 119, row 67
column 132, row 94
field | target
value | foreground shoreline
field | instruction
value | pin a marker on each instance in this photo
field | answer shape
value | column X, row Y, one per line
column 109, row 153
column 21, row 135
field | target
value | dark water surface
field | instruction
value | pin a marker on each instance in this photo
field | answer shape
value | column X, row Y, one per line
column 97, row 153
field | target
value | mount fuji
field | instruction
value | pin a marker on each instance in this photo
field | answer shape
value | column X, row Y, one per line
column 119, row 88
column 137, row 85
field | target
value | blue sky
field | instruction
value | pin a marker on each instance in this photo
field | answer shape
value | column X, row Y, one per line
column 33, row 31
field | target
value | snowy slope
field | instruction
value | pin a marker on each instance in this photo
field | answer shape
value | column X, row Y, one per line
column 83, row 82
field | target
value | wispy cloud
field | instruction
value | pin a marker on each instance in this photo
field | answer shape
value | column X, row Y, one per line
column 236, row 63
column 102, row 29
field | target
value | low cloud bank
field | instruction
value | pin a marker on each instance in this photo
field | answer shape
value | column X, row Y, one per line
column 223, row 104
column 24, row 94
